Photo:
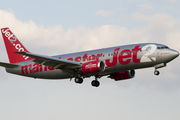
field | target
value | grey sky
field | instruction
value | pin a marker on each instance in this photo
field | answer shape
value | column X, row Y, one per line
column 53, row 27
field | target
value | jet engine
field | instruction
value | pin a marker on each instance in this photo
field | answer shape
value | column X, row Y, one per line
column 122, row 75
column 93, row 67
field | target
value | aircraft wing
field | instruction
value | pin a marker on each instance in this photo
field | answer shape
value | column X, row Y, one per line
column 8, row 65
column 52, row 61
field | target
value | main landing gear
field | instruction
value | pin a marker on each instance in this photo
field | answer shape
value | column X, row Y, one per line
column 94, row 83
column 78, row 80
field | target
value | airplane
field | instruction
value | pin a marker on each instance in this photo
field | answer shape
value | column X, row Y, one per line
column 118, row 63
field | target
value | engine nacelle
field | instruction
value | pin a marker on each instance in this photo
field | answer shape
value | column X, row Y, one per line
column 122, row 75
column 93, row 67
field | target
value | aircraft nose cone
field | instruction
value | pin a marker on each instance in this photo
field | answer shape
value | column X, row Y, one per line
column 174, row 53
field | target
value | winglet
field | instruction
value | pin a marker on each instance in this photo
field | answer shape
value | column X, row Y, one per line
column 13, row 45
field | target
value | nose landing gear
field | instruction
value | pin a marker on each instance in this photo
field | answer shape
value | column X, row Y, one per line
column 156, row 72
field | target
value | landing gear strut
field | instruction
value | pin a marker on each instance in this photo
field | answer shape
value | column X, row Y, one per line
column 78, row 80
column 95, row 83
column 156, row 72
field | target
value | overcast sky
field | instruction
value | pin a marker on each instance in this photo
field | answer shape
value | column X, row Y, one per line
column 52, row 27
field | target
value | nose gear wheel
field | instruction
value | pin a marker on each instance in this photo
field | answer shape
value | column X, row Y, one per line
column 156, row 72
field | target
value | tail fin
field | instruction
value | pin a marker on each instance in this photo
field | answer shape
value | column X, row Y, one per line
column 13, row 45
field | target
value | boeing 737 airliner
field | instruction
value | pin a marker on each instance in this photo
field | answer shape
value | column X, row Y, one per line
column 118, row 63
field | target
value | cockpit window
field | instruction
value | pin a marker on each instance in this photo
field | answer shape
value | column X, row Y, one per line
column 164, row 47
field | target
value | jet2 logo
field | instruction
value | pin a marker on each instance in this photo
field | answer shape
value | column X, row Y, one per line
column 149, row 50
column 10, row 36
column 14, row 41
column 124, row 59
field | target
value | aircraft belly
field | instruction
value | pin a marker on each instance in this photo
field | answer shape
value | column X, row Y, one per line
column 130, row 66
column 54, row 74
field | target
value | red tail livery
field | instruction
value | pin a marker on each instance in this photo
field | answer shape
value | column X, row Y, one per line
column 12, row 46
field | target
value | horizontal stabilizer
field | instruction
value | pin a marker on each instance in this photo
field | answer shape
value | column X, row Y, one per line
column 8, row 65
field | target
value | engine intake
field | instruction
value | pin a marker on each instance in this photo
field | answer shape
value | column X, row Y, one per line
column 93, row 67
column 122, row 75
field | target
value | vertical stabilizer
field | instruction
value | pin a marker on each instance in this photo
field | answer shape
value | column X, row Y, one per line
column 13, row 45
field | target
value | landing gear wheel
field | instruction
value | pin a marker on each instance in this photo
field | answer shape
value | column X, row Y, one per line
column 78, row 80
column 156, row 72
column 95, row 83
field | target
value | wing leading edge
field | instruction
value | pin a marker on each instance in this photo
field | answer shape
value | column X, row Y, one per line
column 51, row 61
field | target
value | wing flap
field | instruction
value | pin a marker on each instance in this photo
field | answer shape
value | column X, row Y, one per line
column 8, row 65
column 51, row 61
